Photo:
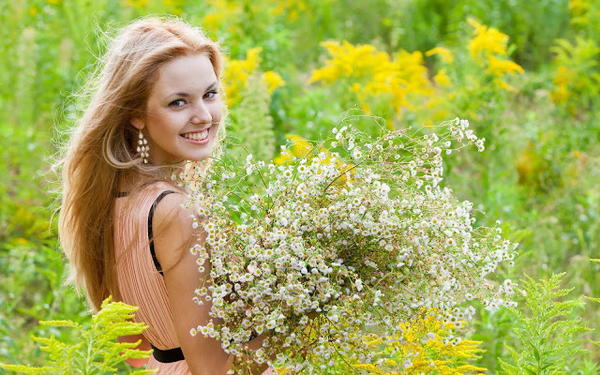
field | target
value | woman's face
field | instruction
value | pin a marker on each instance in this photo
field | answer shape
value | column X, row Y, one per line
column 183, row 111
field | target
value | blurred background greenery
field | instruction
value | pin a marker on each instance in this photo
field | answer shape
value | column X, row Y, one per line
column 525, row 73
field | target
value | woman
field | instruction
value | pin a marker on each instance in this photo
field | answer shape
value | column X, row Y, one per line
column 156, row 106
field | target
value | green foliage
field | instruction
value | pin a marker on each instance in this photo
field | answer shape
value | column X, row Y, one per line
column 585, row 18
column 577, row 76
column 550, row 338
column 251, row 126
column 309, row 112
column 423, row 24
column 96, row 351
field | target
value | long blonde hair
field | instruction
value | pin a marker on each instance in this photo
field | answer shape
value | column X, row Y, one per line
column 101, row 147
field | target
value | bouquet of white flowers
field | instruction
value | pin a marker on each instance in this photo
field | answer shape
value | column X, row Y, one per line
column 357, row 235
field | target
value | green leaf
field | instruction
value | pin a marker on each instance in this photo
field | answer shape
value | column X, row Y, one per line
column 536, row 353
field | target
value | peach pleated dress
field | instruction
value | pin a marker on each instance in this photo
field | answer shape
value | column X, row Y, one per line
column 140, row 282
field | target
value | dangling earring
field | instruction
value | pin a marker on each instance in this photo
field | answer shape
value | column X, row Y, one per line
column 143, row 147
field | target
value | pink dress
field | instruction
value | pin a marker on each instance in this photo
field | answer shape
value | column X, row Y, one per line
column 140, row 283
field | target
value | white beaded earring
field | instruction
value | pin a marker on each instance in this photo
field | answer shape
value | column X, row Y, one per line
column 143, row 147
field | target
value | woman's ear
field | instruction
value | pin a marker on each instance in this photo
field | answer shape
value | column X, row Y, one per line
column 137, row 123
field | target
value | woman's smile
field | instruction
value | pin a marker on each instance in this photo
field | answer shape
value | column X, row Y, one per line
column 198, row 137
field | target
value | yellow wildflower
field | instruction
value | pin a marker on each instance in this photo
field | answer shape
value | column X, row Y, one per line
column 20, row 241
column 398, row 80
column 366, row 108
column 237, row 73
column 282, row 370
column 293, row 15
column 499, row 67
column 293, row 8
column 282, row 158
column 300, row 148
column 426, row 349
column 442, row 79
column 375, row 342
column 349, row 61
column 369, row 367
column 486, row 41
column 562, row 79
column 273, row 81
column 408, row 77
column 444, row 54
column 560, row 94
column 505, row 86
column 563, row 76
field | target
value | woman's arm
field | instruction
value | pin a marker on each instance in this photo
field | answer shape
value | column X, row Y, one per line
column 173, row 239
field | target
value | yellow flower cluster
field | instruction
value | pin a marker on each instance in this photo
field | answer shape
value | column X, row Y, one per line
column 390, row 85
column 293, row 8
column 273, row 81
column 238, row 71
column 486, row 42
column 497, row 67
column 428, row 348
column 372, row 73
column 444, row 53
column 577, row 74
column 300, row 148
column 562, row 79
column 222, row 13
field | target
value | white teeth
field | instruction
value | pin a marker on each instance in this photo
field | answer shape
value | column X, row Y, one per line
column 197, row 136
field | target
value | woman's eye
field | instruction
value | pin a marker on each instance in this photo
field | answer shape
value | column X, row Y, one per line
column 177, row 103
column 210, row 94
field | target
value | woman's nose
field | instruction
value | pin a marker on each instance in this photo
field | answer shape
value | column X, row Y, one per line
column 201, row 114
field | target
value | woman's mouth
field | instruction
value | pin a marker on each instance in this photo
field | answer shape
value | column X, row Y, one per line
column 197, row 137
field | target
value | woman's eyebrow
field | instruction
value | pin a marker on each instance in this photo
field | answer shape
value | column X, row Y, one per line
column 185, row 94
column 212, row 86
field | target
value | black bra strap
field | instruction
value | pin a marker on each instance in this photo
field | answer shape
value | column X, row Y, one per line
column 150, row 238
column 167, row 356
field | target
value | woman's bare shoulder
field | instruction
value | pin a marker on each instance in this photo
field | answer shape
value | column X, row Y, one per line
column 174, row 229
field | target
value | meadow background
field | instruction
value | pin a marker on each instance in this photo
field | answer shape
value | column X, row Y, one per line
column 525, row 73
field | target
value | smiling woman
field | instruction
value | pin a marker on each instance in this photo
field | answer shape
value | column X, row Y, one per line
column 155, row 111
column 183, row 112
